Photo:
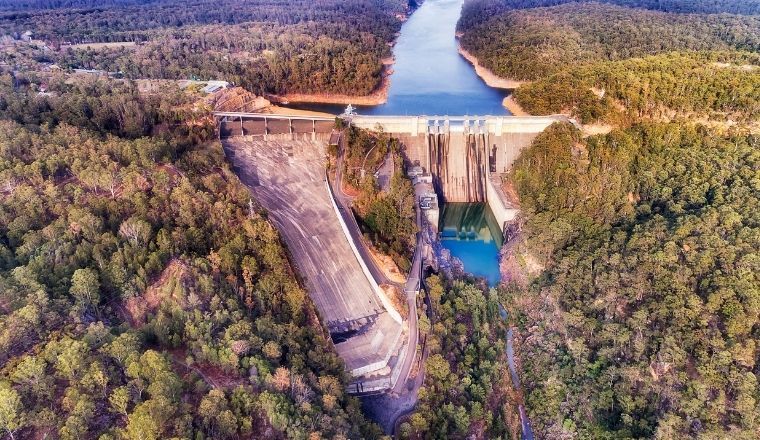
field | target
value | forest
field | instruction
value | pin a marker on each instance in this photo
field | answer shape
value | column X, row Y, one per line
column 611, row 63
column 143, row 294
column 386, row 215
column 645, row 322
column 475, row 12
column 536, row 43
column 467, row 389
column 719, row 86
column 327, row 46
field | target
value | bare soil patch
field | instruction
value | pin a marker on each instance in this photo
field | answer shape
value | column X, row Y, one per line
column 511, row 104
column 169, row 286
column 510, row 192
column 397, row 298
column 387, row 265
column 377, row 97
column 594, row 129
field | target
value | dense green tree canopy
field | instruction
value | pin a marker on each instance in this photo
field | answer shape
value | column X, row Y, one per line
column 718, row 86
column 324, row 46
column 478, row 11
column 535, row 43
column 650, row 238
column 140, row 298
column 466, row 378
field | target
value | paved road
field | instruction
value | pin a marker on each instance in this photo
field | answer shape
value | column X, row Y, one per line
column 411, row 287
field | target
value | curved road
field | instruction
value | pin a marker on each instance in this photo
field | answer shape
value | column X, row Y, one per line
column 411, row 287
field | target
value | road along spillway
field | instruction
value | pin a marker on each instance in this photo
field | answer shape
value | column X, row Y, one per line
column 287, row 178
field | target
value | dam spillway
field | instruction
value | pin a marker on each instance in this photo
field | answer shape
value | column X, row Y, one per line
column 465, row 155
column 462, row 152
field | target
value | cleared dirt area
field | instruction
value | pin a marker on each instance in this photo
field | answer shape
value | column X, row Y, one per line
column 511, row 104
column 487, row 75
column 170, row 286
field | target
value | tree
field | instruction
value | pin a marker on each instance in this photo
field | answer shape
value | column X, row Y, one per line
column 119, row 400
column 272, row 350
column 30, row 374
column 217, row 417
column 124, row 348
column 85, row 287
column 71, row 355
column 136, row 230
column 439, row 370
column 11, row 410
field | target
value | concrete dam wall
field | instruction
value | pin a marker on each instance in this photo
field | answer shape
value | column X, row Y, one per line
column 461, row 152
column 465, row 155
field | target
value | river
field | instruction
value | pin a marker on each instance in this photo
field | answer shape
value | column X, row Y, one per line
column 471, row 233
column 430, row 77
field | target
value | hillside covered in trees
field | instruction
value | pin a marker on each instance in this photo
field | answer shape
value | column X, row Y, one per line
column 619, row 61
column 265, row 46
column 142, row 296
column 697, row 85
column 386, row 215
column 478, row 11
column 467, row 391
column 535, row 43
column 646, row 320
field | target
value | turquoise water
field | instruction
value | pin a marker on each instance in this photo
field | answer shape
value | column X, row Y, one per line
column 470, row 232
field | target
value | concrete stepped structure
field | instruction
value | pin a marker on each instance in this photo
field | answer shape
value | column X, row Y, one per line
column 287, row 177
column 464, row 154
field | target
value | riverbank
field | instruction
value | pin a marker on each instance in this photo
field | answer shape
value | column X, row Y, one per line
column 511, row 104
column 490, row 78
column 377, row 97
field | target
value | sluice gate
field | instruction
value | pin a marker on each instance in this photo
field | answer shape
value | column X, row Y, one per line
column 461, row 152
column 465, row 155
column 458, row 162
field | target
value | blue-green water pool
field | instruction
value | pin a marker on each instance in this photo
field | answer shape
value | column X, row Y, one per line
column 470, row 232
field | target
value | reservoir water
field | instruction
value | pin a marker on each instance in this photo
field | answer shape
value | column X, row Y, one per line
column 430, row 77
column 471, row 233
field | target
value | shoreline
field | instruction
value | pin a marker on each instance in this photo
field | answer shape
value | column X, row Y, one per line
column 491, row 79
column 274, row 109
column 510, row 104
column 377, row 97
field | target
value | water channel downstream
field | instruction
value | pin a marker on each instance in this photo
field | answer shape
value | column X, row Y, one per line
column 430, row 77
